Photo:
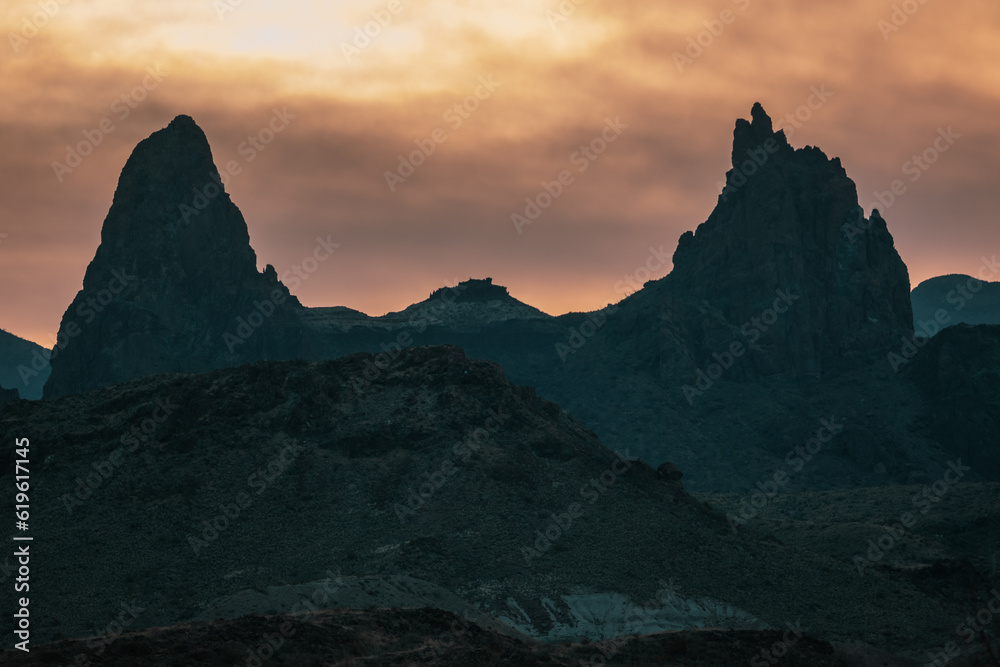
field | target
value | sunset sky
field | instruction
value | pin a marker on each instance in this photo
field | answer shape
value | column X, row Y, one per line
column 559, row 71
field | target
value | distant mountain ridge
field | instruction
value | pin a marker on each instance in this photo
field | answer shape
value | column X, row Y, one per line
column 471, row 303
column 963, row 299
column 23, row 365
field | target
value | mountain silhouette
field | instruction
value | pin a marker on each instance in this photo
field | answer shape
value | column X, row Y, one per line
column 174, row 284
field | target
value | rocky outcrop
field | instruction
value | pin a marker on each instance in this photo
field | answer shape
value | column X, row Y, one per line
column 471, row 304
column 174, row 284
column 786, row 267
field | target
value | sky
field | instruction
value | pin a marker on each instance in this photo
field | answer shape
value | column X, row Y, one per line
column 472, row 108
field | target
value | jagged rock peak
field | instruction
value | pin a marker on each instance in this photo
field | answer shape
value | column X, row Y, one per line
column 752, row 134
column 787, row 230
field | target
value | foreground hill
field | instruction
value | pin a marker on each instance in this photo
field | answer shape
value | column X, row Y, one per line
column 436, row 639
column 429, row 466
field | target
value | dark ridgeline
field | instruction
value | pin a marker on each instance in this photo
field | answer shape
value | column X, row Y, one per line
column 173, row 275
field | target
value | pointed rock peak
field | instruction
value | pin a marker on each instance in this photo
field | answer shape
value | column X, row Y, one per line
column 751, row 134
column 760, row 119
column 183, row 121
column 175, row 253
column 182, row 135
column 170, row 182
